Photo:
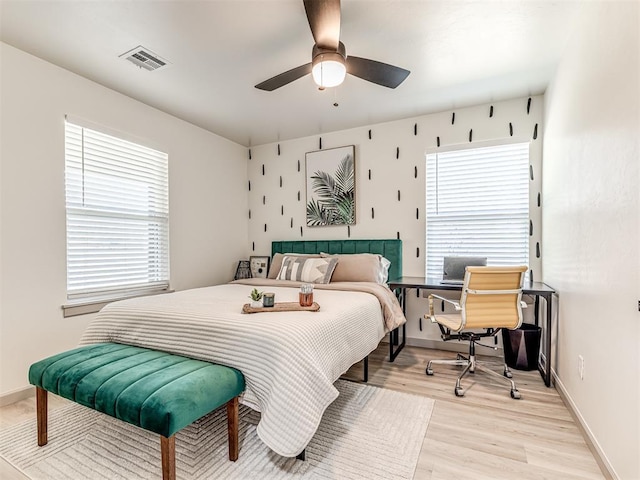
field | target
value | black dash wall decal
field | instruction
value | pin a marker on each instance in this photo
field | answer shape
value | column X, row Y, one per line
column 537, row 249
column 301, row 234
column 265, row 227
column 373, row 213
column 510, row 129
column 417, row 252
column 249, row 185
column 531, row 171
column 398, row 235
column 253, row 246
column 249, row 154
column 249, row 214
column 291, row 222
column 264, row 199
column 420, row 323
column 282, row 210
column 320, row 143
column 535, row 132
column 491, row 111
column 348, row 231
column 280, row 181
column 538, row 198
column 369, row 134
column 471, row 135
column 415, row 129
column 369, row 174
column 528, row 105
column 397, row 152
column 531, row 228
column 278, row 149
column 438, row 140
column 298, row 165
column 442, row 305
column 415, row 172
column 298, row 195
column 263, row 169
column 398, row 195
column 453, row 118
column 417, row 213
column 531, row 276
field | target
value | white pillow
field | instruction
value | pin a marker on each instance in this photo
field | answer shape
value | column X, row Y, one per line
column 306, row 269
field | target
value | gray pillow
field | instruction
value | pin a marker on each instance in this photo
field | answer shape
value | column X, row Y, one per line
column 306, row 269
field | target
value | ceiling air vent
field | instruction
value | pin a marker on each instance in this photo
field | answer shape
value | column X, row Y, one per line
column 144, row 58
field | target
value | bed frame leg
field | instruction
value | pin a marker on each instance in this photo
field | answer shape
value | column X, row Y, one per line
column 366, row 369
column 302, row 455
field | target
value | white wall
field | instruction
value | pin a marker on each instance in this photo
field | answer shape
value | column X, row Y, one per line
column 388, row 175
column 591, row 220
column 207, row 195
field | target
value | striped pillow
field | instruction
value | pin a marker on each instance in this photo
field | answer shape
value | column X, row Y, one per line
column 306, row 269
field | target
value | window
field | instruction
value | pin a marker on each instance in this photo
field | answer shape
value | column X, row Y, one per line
column 117, row 216
column 478, row 205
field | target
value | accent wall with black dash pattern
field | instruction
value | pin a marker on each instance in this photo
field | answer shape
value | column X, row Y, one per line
column 389, row 177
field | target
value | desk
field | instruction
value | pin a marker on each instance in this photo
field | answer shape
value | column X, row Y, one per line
column 537, row 289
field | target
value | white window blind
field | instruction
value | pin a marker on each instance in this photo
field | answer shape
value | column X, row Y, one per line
column 478, row 205
column 117, row 216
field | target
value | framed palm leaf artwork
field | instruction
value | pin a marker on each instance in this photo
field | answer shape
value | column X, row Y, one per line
column 331, row 187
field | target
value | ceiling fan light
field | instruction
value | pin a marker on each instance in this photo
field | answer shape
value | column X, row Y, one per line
column 328, row 70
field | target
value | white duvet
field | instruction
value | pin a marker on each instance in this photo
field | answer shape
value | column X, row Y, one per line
column 290, row 360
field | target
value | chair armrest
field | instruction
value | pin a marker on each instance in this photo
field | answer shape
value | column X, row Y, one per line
column 455, row 304
column 431, row 315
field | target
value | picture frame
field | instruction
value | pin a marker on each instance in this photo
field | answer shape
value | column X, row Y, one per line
column 259, row 265
column 330, row 187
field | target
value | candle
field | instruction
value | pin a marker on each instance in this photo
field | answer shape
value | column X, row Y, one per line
column 268, row 299
column 306, row 295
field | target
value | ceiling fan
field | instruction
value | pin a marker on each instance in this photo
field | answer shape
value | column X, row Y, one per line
column 330, row 62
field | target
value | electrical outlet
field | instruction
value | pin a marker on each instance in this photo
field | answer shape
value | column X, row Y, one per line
column 581, row 366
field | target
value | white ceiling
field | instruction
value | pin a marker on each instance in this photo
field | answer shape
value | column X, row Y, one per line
column 460, row 53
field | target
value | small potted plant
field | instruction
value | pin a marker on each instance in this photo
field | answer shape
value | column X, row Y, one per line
column 256, row 298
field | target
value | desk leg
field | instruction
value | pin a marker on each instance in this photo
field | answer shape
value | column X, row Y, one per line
column 394, row 335
column 546, row 371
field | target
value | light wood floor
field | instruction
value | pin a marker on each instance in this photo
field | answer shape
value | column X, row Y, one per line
column 483, row 435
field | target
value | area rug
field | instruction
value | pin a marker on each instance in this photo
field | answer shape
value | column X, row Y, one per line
column 367, row 433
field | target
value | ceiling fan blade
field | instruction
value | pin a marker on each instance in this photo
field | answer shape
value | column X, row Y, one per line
column 285, row 78
column 324, row 20
column 376, row 72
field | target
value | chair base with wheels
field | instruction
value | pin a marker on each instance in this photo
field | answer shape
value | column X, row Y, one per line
column 470, row 363
column 491, row 300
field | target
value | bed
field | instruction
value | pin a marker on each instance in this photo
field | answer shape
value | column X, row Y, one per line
column 290, row 360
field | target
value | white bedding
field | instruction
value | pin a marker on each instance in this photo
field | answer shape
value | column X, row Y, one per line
column 290, row 360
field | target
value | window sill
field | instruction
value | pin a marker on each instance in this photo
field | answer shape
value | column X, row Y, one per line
column 86, row 306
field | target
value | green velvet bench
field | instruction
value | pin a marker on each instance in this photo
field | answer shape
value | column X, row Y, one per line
column 157, row 391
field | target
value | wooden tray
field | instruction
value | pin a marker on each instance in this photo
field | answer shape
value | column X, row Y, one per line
column 281, row 307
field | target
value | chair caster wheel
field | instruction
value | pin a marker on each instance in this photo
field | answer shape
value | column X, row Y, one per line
column 515, row 394
column 428, row 371
column 459, row 392
column 507, row 374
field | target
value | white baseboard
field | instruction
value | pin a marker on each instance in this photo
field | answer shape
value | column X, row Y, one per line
column 603, row 462
column 17, row 395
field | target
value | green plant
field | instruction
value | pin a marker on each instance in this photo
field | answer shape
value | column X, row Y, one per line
column 335, row 203
column 256, row 296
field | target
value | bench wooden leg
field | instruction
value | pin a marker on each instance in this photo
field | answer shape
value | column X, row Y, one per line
column 232, row 428
column 168, row 449
column 41, row 414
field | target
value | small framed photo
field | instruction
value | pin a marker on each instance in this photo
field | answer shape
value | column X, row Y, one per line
column 259, row 265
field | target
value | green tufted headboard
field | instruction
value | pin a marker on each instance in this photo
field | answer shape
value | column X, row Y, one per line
column 391, row 249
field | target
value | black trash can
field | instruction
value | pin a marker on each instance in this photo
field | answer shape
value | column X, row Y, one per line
column 522, row 346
